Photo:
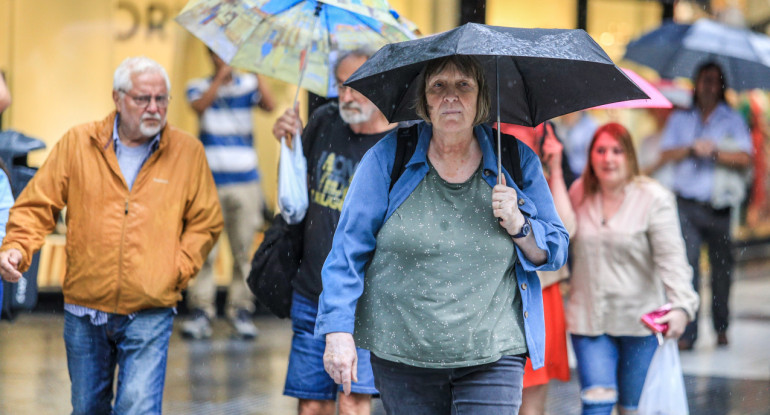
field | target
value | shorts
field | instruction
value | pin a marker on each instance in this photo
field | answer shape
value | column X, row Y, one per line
column 306, row 377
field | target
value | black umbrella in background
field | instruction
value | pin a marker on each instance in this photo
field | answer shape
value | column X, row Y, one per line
column 543, row 73
column 677, row 50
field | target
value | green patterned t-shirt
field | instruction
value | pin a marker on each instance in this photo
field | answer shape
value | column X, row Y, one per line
column 440, row 290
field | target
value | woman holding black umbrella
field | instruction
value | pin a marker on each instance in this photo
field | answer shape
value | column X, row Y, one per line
column 451, row 303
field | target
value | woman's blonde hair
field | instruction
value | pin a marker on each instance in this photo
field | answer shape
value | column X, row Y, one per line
column 466, row 65
column 621, row 134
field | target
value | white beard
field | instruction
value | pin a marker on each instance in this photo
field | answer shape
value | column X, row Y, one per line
column 149, row 131
column 353, row 113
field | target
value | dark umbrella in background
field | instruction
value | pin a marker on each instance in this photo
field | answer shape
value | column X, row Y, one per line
column 677, row 50
column 533, row 74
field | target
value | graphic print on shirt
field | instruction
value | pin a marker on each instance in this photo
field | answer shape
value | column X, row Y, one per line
column 334, row 172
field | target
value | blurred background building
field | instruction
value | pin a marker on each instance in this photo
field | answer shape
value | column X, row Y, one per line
column 58, row 57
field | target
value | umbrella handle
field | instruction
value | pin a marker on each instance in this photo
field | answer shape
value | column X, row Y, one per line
column 499, row 149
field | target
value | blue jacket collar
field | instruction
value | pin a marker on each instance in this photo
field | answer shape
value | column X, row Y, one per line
column 482, row 132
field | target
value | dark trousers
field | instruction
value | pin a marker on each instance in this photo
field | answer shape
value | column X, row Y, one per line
column 488, row 389
column 704, row 224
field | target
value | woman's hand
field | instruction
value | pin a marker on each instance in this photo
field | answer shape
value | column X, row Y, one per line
column 552, row 150
column 506, row 208
column 341, row 359
column 677, row 321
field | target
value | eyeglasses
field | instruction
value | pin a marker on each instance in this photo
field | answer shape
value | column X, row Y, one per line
column 144, row 100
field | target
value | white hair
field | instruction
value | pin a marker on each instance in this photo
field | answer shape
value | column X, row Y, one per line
column 362, row 52
column 121, row 81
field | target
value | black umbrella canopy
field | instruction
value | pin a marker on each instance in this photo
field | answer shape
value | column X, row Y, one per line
column 678, row 50
column 543, row 73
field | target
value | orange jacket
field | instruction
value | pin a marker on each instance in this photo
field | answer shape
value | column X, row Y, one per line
column 126, row 251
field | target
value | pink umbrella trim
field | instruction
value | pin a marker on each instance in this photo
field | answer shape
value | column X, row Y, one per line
column 657, row 100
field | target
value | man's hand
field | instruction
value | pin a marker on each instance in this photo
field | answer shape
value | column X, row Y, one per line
column 224, row 73
column 9, row 265
column 287, row 125
column 341, row 359
column 703, row 148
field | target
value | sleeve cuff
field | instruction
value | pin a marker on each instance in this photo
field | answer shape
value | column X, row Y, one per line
column 333, row 323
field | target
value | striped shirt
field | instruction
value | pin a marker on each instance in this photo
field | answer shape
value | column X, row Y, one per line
column 226, row 128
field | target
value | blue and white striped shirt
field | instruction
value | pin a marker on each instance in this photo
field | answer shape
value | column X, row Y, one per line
column 226, row 128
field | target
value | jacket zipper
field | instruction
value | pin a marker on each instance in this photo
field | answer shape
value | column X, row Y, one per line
column 120, row 256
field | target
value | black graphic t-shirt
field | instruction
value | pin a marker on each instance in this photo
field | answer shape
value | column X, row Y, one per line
column 333, row 152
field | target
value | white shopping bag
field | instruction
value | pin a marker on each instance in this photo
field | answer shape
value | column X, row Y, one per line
column 663, row 392
column 292, row 182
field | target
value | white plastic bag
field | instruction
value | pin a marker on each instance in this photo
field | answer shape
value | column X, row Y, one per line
column 663, row 392
column 292, row 182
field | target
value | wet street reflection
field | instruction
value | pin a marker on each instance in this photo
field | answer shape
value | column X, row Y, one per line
column 225, row 375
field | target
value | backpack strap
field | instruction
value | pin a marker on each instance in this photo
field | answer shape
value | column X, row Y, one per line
column 511, row 159
column 405, row 146
column 407, row 142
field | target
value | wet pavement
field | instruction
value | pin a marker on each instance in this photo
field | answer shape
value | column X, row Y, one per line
column 230, row 376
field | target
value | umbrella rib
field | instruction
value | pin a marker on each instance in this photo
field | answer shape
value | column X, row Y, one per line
column 327, row 24
column 317, row 18
column 526, row 92
column 668, row 69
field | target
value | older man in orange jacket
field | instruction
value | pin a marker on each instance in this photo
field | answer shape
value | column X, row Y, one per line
column 142, row 215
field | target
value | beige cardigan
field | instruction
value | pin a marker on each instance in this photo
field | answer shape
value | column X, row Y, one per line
column 629, row 266
column 548, row 278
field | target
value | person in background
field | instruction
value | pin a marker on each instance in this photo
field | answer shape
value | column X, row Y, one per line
column 334, row 140
column 650, row 162
column 6, row 201
column 543, row 141
column 6, row 194
column 224, row 103
column 5, row 94
column 436, row 277
column 628, row 258
column 142, row 214
column 699, row 141
column 576, row 129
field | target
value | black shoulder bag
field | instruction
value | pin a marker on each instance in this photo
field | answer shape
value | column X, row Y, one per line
column 275, row 264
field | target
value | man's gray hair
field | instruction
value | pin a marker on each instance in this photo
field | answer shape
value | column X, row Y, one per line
column 363, row 52
column 121, row 81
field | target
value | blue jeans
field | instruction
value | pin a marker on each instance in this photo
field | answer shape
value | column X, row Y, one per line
column 489, row 389
column 306, row 377
column 615, row 362
column 138, row 346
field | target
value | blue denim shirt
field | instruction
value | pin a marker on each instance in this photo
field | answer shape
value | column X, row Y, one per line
column 369, row 204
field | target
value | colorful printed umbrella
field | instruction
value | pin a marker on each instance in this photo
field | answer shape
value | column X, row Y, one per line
column 657, row 99
column 279, row 38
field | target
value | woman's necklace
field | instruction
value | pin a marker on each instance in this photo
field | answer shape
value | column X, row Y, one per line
column 610, row 204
